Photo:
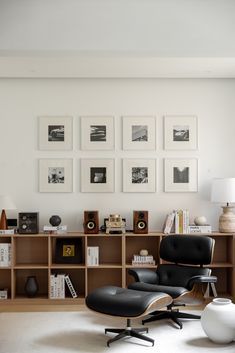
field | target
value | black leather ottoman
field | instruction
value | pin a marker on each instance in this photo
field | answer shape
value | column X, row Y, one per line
column 127, row 303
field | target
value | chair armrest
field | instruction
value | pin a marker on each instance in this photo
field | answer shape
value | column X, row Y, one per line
column 144, row 275
column 201, row 279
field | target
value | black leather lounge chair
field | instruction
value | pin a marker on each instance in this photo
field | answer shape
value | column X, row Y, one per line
column 181, row 274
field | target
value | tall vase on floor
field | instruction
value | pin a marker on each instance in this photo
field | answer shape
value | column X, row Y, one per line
column 31, row 286
column 218, row 320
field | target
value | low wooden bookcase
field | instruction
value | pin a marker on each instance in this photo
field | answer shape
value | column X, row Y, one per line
column 35, row 255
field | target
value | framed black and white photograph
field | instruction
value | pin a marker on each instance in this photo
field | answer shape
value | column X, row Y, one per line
column 97, row 133
column 55, row 133
column 139, row 175
column 139, row 133
column 97, row 175
column 181, row 175
column 180, row 133
column 55, row 175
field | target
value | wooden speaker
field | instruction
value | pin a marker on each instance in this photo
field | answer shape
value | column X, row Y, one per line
column 91, row 222
column 140, row 222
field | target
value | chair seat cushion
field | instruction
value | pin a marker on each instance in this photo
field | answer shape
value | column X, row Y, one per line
column 174, row 292
column 123, row 302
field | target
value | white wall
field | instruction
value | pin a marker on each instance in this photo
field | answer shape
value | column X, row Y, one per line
column 22, row 101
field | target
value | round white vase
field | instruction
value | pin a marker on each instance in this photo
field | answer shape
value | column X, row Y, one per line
column 218, row 320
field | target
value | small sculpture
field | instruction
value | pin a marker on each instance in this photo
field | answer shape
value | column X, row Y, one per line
column 55, row 220
column 200, row 221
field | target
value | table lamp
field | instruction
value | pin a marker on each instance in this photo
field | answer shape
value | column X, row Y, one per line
column 5, row 204
column 223, row 191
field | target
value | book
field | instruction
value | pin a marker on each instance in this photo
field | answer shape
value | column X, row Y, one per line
column 70, row 286
column 199, row 229
column 57, row 287
column 92, row 256
column 5, row 254
column 181, row 221
column 169, row 223
column 143, row 260
column 7, row 231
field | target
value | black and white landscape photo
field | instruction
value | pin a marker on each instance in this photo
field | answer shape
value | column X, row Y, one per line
column 98, row 133
column 181, row 175
column 181, row 133
column 139, row 133
column 55, row 175
column 55, row 133
column 97, row 175
column 139, row 175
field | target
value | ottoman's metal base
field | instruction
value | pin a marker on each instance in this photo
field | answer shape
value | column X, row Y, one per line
column 128, row 332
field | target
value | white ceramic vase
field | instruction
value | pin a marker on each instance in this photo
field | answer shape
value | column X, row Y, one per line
column 218, row 320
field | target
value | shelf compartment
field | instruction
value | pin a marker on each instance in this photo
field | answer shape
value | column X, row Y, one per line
column 20, row 277
column 59, row 256
column 110, row 248
column 31, row 250
column 135, row 243
column 77, row 277
column 225, row 278
column 223, row 251
column 98, row 277
column 5, row 281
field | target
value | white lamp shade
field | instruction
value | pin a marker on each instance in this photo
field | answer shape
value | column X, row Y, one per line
column 6, row 203
column 223, row 190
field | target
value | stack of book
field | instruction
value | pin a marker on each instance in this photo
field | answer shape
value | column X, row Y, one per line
column 143, row 260
column 57, row 286
column 5, row 254
column 199, row 229
column 92, row 256
column 55, row 229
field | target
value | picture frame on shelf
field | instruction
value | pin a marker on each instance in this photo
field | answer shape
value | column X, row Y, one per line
column 97, row 175
column 180, row 133
column 55, row 133
column 68, row 251
column 97, row 133
column 139, row 175
column 55, row 175
column 181, row 174
column 139, row 133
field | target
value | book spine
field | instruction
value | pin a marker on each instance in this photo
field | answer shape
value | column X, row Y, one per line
column 177, row 222
column 70, row 286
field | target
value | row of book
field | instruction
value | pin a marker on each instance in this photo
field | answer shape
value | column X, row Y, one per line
column 143, row 260
column 57, row 286
column 5, row 255
column 178, row 222
column 92, row 255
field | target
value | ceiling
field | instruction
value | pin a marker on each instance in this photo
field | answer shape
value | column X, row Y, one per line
column 117, row 38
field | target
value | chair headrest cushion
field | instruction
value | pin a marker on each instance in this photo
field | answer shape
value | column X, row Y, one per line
column 187, row 249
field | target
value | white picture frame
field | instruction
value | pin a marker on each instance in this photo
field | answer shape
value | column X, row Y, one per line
column 55, row 133
column 97, row 175
column 55, row 175
column 97, row 133
column 139, row 133
column 180, row 133
column 181, row 174
column 139, row 175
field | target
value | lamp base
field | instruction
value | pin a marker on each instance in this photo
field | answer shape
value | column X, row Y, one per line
column 227, row 220
column 3, row 221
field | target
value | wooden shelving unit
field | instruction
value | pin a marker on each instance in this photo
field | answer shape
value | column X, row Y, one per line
column 35, row 255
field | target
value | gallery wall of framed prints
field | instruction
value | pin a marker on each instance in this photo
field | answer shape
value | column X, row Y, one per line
column 140, row 150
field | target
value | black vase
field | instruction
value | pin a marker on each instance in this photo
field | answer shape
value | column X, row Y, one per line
column 31, row 286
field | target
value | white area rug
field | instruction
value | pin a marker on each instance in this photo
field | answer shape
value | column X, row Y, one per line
column 83, row 332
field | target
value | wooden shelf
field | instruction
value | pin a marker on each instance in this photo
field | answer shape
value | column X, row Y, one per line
column 35, row 255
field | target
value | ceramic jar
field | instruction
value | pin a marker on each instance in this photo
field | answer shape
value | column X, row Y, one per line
column 218, row 320
column 31, row 286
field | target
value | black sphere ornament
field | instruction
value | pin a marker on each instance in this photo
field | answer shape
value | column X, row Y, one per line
column 55, row 220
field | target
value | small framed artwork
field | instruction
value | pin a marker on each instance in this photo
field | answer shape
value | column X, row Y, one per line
column 56, row 175
column 180, row 133
column 181, row 175
column 97, row 133
column 55, row 133
column 97, row 175
column 68, row 250
column 139, row 133
column 139, row 175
